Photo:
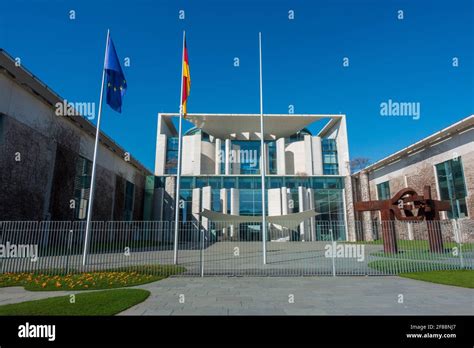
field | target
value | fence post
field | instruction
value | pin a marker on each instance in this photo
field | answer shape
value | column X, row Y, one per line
column 333, row 254
column 457, row 233
column 69, row 244
column 202, row 252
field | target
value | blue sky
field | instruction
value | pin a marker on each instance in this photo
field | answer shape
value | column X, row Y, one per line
column 407, row 60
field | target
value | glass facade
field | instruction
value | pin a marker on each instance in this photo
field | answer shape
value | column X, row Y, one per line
column 329, row 151
column 171, row 155
column 247, row 158
column 383, row 190
column 452, row 186
column 328, row 197
column 272, row 157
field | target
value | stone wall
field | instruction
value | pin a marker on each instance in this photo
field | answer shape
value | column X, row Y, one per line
column 38, row 156
column 25, row 159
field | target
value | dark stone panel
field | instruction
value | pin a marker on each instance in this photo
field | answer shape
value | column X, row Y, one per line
column 139, row 196
column 104, row 195
column 119, row 198
column 23, row 183
column 63, row 184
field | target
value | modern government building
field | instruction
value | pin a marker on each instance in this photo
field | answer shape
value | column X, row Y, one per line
column 221, row 170
column 304, row 171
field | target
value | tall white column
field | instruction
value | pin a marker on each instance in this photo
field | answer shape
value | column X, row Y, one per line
column 301, row 205
column 281, row 157
column 284, row 201
column 308, row 153
column 275, row 209
column 228, row 148
column 234, row 210
column 317, row 156
column 219, row 156
column 160, row 154
column 206, row 204
column 196, row 203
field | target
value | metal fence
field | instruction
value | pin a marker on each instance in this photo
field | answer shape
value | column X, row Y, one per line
column 220, row 248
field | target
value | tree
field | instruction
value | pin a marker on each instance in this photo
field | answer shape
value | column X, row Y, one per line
column 359, row 163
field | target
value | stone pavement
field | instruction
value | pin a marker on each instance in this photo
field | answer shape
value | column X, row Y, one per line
column 312, row 296
column 272, row 296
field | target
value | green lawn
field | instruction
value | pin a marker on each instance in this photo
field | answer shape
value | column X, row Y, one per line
column 109, row 302
column 464, row 278
column 394, row 266
column 417, row 244
column 107, row 279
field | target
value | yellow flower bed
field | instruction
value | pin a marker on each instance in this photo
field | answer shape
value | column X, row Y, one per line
column 93, row 280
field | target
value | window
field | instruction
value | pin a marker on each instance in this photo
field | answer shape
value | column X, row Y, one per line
column 221, row 157
column 452, row 187
column 272, row 157
column 299, row 136
column 128, row 206
column 246, row 155
column 82, row 183
column 329, row 152
column 186, row 209
column 383, row 190
column 171, row 155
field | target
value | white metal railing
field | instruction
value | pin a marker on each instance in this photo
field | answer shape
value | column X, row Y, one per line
column 218, row 248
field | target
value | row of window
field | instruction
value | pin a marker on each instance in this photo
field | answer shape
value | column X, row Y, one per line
column 451, row 186
column 249, row 153
column 329, row 203
column 254, row 182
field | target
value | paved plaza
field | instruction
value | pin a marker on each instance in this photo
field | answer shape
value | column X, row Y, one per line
column 287, row 296
column 311, row 295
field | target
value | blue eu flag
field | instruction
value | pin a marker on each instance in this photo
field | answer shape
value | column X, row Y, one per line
column 116, row 83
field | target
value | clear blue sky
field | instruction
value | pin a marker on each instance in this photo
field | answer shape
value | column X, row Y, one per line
column 406, row 60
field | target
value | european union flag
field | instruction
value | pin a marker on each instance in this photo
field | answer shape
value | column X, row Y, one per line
column 116, row 83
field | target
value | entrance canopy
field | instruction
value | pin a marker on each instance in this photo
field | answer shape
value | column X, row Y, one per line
column 290, row 221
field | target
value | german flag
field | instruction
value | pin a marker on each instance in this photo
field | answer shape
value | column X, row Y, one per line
column 186, row 79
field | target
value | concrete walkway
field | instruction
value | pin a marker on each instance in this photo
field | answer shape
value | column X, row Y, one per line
column 17, row 294
column 272, row 296
column 312, row 296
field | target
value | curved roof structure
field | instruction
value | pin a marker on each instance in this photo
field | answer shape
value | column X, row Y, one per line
column 244, row 126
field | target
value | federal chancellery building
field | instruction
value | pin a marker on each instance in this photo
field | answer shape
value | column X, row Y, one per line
column 307, row 168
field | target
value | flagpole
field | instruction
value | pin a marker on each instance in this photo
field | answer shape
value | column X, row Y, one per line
column 94, row 160
column 262, row 158
column 178, row 171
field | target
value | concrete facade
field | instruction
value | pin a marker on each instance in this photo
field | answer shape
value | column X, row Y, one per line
column 39, row 154
column 225, row 146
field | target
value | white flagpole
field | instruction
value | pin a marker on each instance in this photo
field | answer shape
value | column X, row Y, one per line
column 262, row 158
column 96, row 145
column 178, row 171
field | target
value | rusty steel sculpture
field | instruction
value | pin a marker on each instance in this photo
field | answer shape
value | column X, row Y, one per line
column 407, row 205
